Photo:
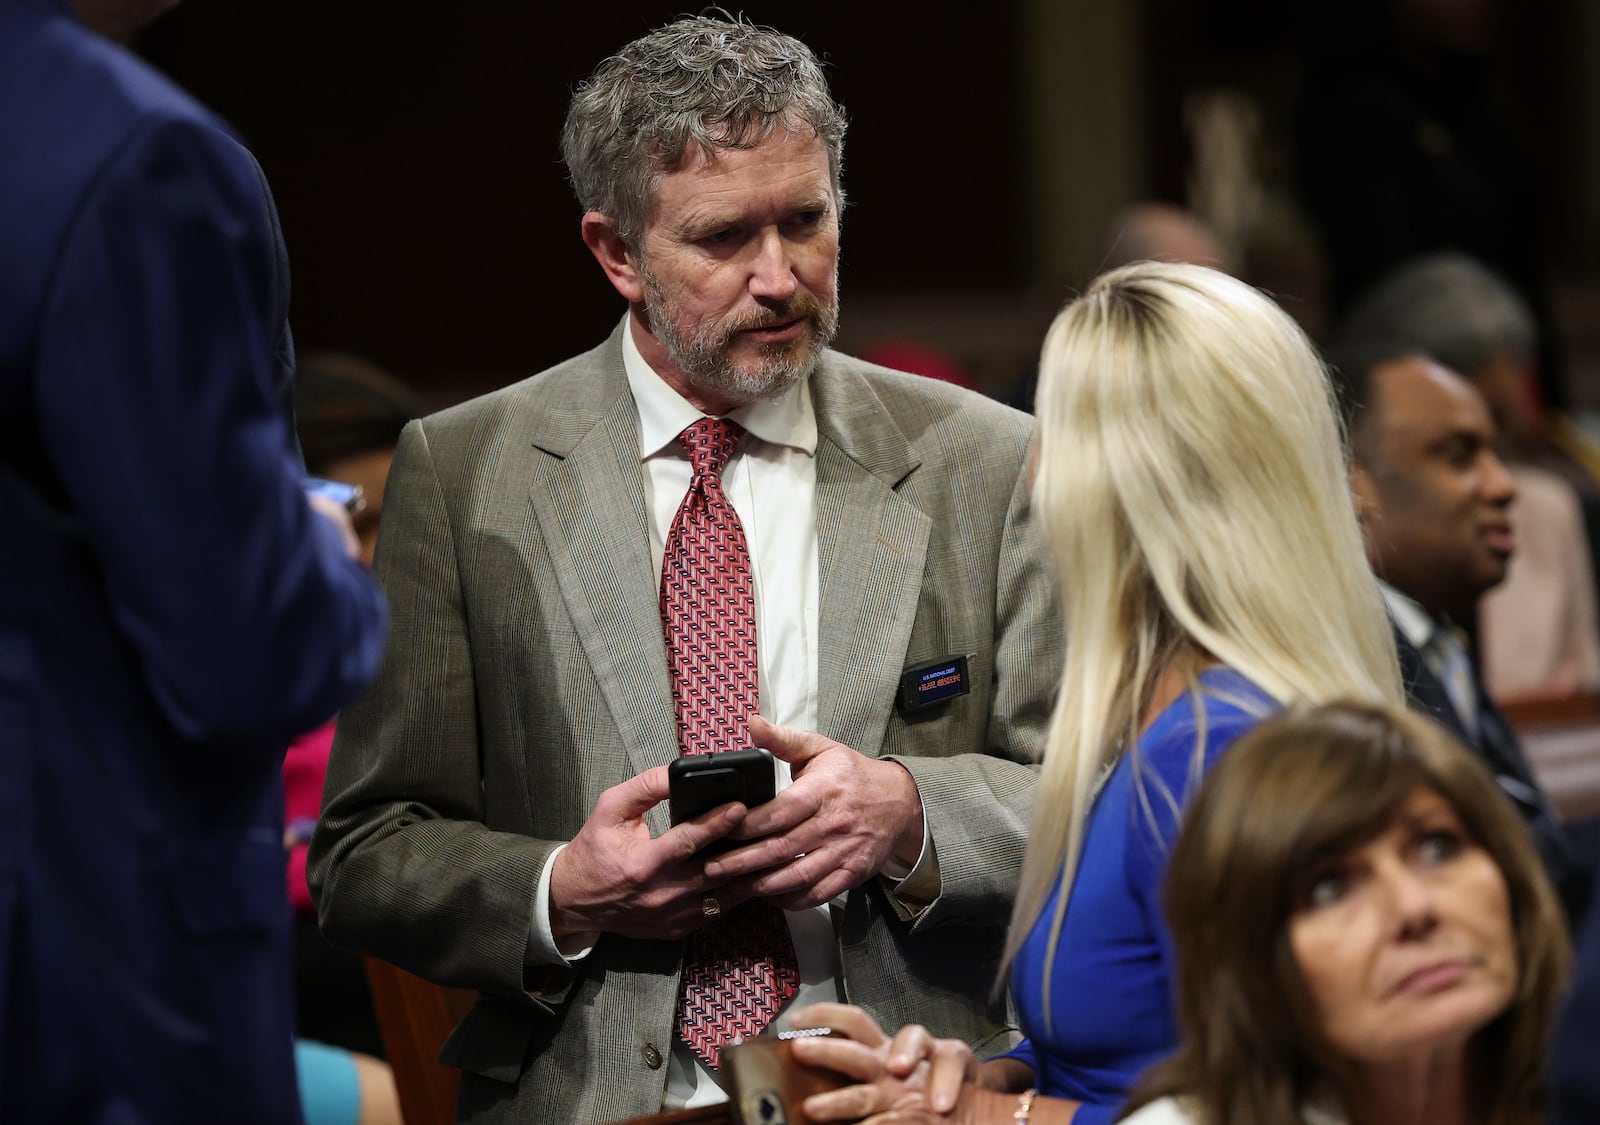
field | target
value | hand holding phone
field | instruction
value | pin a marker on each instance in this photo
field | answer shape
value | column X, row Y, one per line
column 350, row 497
column 337, row 513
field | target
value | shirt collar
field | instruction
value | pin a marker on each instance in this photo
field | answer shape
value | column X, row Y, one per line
column 790, row 419
column 1415, row 623
column 1324, row 1107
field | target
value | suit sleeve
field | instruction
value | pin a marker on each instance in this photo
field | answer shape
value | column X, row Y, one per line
column 401, row 864
column 156, row 396
column 978, row 805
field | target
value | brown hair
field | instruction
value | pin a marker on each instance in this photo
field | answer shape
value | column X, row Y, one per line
column 1311, row 780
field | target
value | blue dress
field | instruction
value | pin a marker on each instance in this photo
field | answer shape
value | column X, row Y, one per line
column 1112, row 986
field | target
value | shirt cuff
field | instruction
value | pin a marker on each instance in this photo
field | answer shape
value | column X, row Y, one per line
column 913, row 891
column 543, row 949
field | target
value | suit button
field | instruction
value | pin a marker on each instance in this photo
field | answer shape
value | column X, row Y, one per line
column 652, row 1057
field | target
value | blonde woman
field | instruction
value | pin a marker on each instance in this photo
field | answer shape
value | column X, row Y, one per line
column 1192, row 489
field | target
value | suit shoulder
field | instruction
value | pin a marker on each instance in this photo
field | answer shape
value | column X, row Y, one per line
column 72, row 88
column 99, row 144
column 938, row 419
column 76, row 113
column 902, row 391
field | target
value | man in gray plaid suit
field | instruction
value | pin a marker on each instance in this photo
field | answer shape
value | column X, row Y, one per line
column 494, row 813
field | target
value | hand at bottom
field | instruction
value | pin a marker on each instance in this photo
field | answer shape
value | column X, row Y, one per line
column 912, row 1077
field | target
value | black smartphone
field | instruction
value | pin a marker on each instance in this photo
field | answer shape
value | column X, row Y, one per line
column 698, row 783
column 348, row 495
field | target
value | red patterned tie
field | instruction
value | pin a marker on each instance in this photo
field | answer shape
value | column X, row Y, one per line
column 740, row 970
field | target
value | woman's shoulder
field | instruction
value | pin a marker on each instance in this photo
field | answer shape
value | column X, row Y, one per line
column 1162, row 1111
column 1224, row 705
column 1227, row 694
column 1176, row 751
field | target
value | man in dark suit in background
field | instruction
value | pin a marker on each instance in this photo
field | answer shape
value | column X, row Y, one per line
column 1432, row 496
column 172, row 609
column 495, row 811
column 1574, row 1080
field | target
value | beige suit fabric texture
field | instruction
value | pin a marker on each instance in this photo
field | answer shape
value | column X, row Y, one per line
column 1539, row 633
column 527, row 673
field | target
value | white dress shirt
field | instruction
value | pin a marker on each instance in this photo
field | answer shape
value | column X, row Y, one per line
column 1442, row 651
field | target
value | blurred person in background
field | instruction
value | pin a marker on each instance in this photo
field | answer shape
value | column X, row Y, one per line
column 1538, row 634
column 918, row 358
column 173, row 607
column 1434, row 499
column 349, row 414
column 1162, row 232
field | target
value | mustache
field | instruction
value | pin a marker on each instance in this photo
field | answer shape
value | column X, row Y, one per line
column 799, row 307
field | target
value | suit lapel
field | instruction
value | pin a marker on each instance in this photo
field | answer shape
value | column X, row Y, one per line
column 1496, row 745
column 590, row 508
column 872, row 548
column 1424, row 690
column 1502, row 747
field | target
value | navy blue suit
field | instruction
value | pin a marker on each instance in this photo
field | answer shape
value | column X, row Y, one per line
column 171, row 612
column 1498, row 748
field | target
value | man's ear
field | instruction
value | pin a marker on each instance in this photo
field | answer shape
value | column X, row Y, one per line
column 601, row 237
column 1365, row 491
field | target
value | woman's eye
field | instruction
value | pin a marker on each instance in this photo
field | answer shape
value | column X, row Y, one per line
column 1440, row 845
column 1325, row 889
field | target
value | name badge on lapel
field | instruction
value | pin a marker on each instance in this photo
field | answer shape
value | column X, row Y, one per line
column 929, row 684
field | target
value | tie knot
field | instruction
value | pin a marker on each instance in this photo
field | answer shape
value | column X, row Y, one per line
column 1447, row 639
column 709, row 443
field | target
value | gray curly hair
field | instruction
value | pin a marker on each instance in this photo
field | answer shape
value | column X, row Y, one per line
column 702, row 81
column 1449, row 307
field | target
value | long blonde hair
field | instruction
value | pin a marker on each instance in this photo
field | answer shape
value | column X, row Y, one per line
column 1191, row 488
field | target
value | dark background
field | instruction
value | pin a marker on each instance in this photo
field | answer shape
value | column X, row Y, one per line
column 413, row 153
column 416, row 166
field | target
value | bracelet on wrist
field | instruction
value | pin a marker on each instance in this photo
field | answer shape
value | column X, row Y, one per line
column 1024, row 1106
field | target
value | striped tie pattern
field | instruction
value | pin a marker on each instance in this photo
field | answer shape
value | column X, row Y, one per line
column 740, row 969
column 1454, row 668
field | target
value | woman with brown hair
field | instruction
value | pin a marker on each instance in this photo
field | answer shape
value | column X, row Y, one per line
column 1363, row 934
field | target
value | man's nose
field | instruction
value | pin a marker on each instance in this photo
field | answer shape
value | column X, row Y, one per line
column 1498, row 485
column 772, row 273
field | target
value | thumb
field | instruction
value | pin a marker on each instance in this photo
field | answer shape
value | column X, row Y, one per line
column 797, row 747
column 633, row 798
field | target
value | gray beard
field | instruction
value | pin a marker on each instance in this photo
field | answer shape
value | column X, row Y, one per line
column 702, row 358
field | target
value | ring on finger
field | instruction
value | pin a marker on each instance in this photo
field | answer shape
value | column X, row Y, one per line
column 710, row 907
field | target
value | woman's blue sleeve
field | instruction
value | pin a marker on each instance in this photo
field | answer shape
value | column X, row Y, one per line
column 1096, row 1114
column 1023, row 1052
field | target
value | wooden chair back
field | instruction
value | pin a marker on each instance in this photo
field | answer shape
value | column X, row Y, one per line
column 415, row 1017
column 1561, row 738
